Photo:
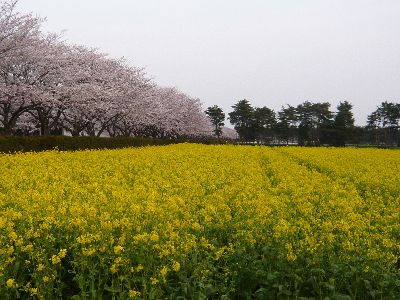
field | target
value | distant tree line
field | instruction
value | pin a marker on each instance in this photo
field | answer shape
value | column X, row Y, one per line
column 311, row 124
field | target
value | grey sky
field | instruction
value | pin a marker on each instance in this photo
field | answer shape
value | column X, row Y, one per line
column 270, row 52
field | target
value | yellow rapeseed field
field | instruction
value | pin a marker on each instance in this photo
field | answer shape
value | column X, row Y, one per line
column 201, row 222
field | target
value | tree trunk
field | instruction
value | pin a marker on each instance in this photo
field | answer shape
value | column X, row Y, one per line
column 44, row 121
column 7, row 130
column 75, row 133
column 9, row 125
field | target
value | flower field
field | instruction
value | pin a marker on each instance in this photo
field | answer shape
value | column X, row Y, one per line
column 201, row 222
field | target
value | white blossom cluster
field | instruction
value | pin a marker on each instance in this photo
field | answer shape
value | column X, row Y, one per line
column 47, row 84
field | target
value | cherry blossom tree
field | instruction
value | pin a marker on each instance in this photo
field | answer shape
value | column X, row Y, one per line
column 51, row 65
column 164, row 112
column 130, row 100
column 17, row 31
column 180, row 115
column 46, row 83
column 19, row 38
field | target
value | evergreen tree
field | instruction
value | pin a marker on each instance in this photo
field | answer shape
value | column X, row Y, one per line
column 383, row 123
column 242, row 118
column 343, row 124
column 314, row 122
column 264, row 123
column 217, row 117
column 287, row 125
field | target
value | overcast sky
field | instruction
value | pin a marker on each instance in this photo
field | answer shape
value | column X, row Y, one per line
column 271, row 52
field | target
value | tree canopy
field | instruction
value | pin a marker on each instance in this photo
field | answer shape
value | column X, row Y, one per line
column 217, row 117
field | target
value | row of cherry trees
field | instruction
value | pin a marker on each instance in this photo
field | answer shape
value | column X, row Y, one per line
column 47, row 84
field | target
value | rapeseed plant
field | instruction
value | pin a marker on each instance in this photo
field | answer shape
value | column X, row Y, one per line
column 200, row 221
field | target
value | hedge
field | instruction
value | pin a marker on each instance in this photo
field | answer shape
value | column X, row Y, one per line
column 12, row 144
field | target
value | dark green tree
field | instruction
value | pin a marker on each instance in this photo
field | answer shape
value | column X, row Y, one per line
column 343, row 124
column 243, row 119
column 373, row 128
column 383, row 123
column 389, row 114
column 315, row 121
column 264, row 122
column 304, row 113
column 217, row 117
column 286, row 127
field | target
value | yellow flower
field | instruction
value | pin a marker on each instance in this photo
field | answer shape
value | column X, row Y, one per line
column 164, row 271
column 19, row 242
column 34, row 291
column 154, row 237
column 118, row 260
column 13, row 236
column 10, row 283
column 62, row 253
column 118, row 249
column 153, row 280
column 27, row 248
column 291, row 256
column 55, row 259
column 139, row 268
column 196, row 226
column 10, row 250
column 133, row 294
column 114, row 268
column 88, row 252
column 10, row 260
column 40, row 267
column 220, row 253
column 176, row 266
